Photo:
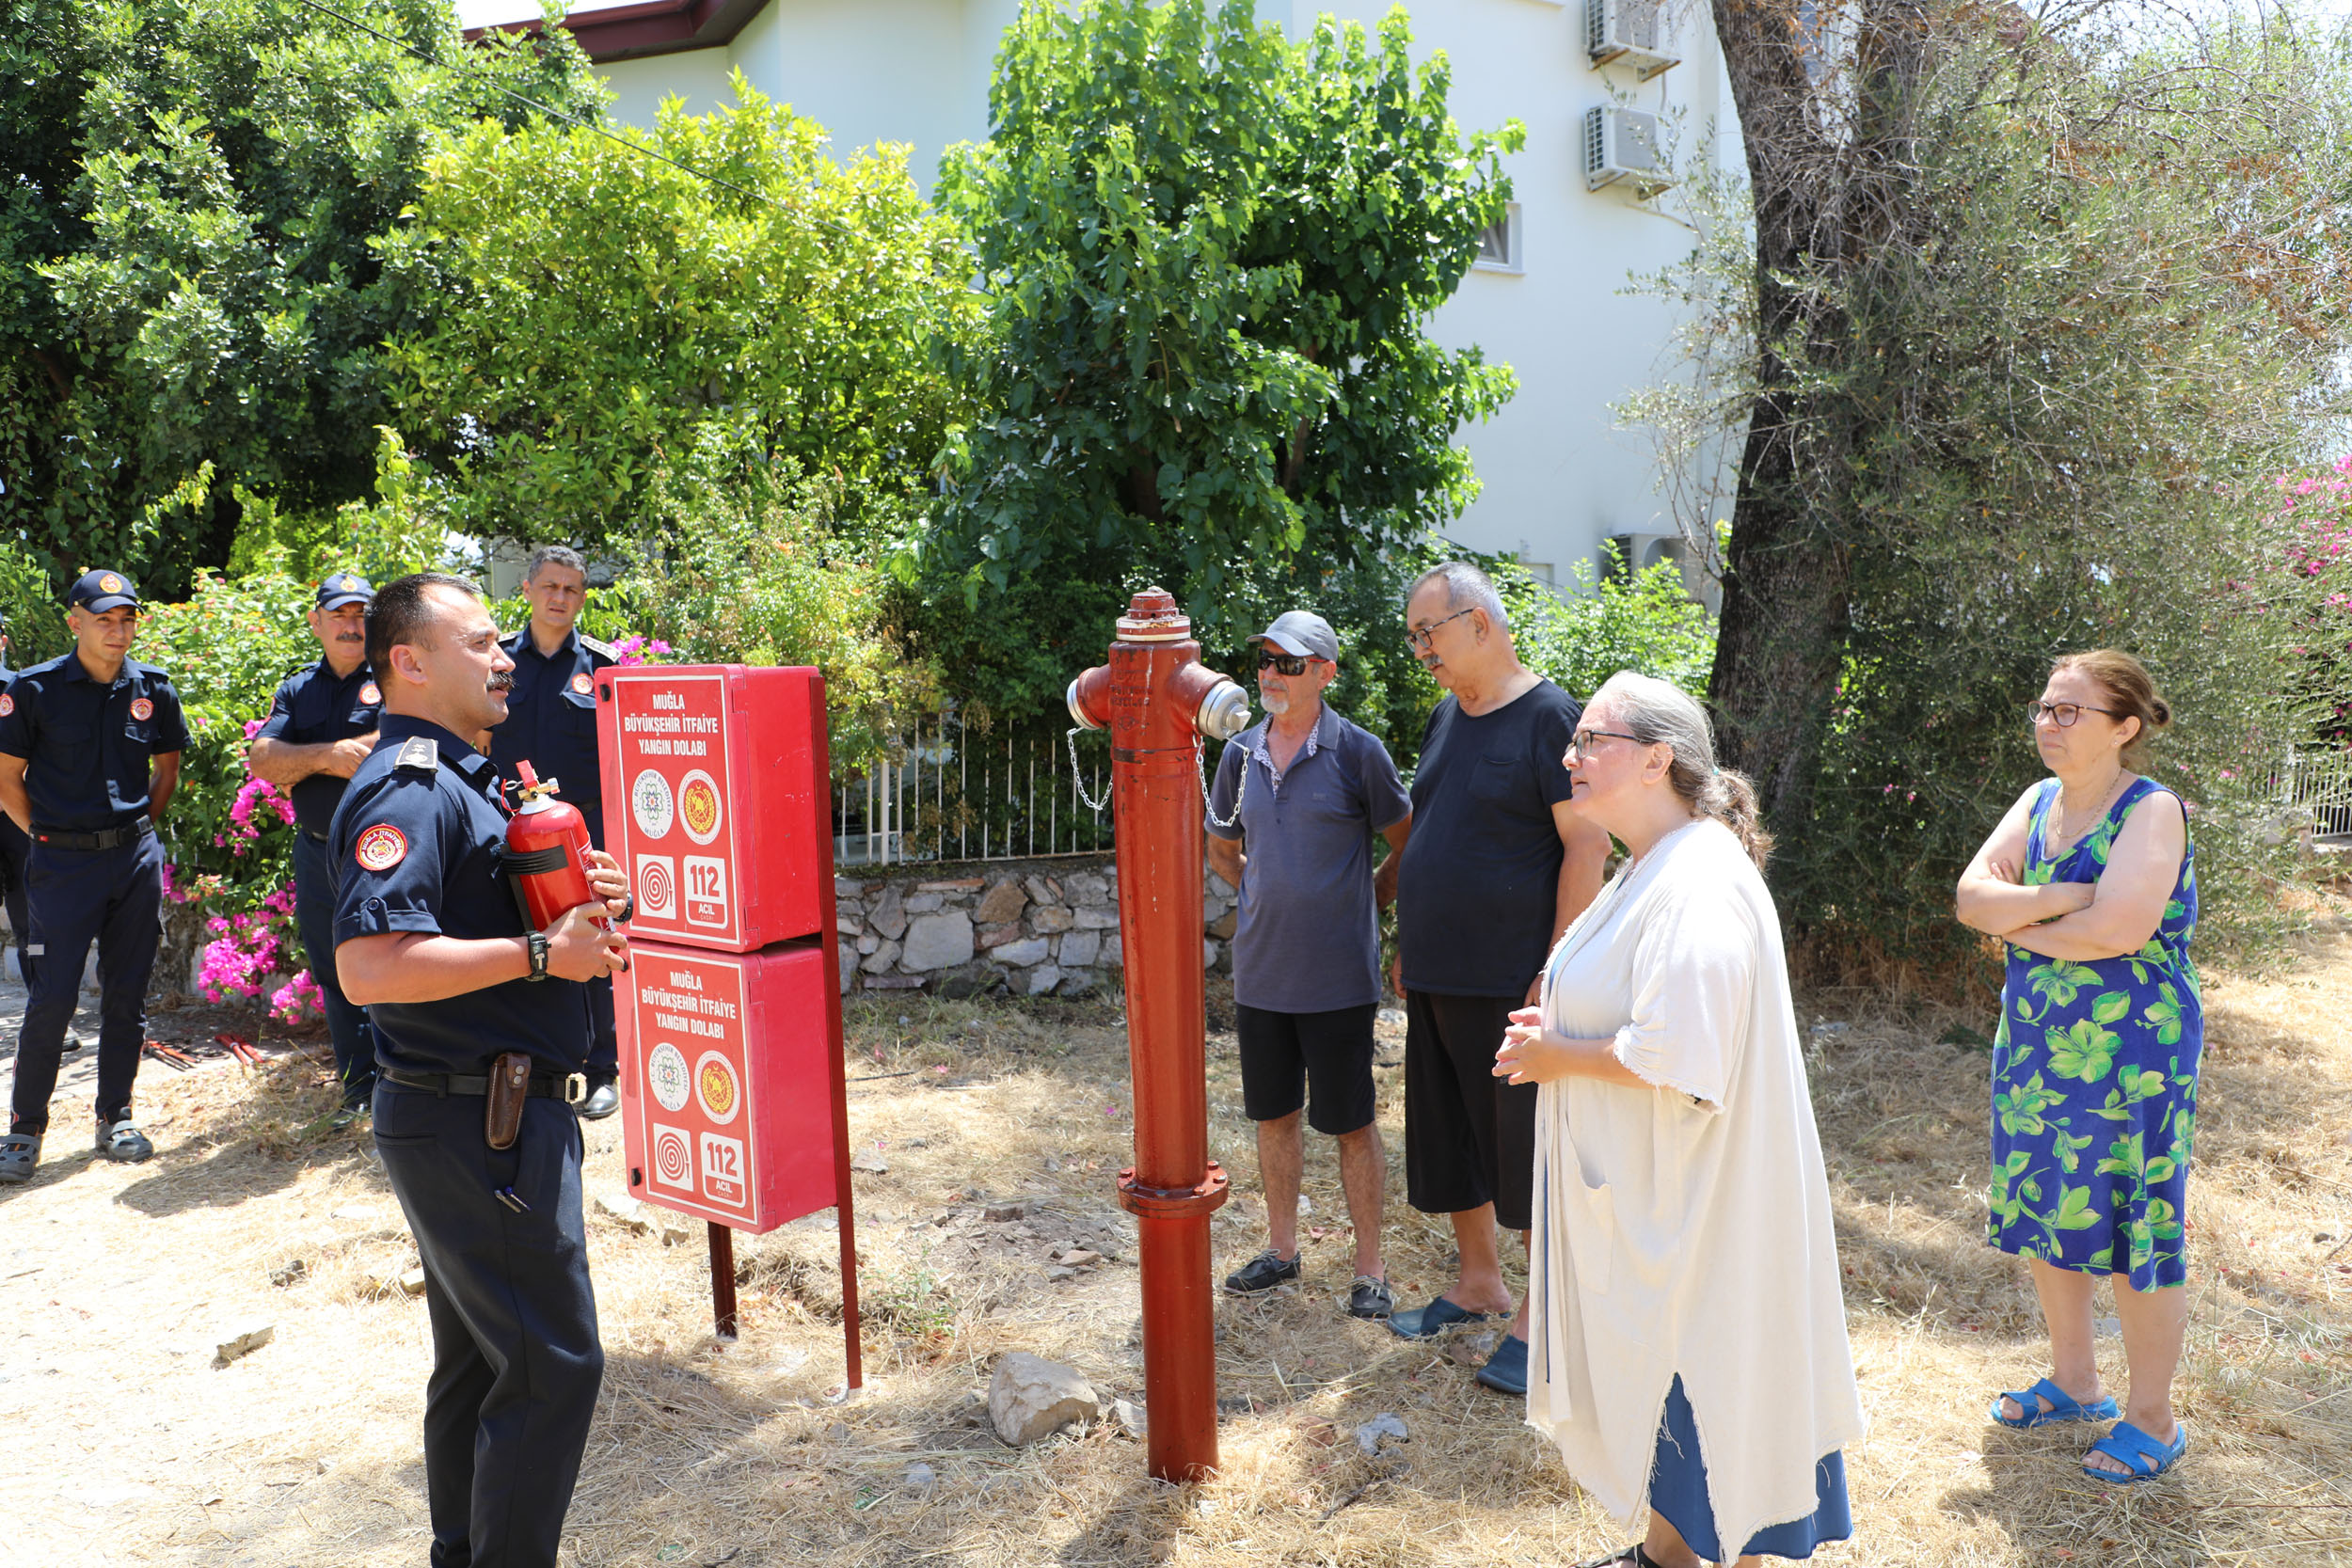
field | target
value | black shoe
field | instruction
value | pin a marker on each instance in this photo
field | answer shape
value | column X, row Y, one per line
column 603, row 1100
column 1261, row 1273
column 1369, row 1297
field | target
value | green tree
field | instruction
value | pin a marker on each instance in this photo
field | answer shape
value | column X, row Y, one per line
column 188, row 194
column 2032, row 315
column 604, row 308
column 1207, row 255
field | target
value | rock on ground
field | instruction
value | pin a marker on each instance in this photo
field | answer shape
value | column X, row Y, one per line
column 1029, row 1398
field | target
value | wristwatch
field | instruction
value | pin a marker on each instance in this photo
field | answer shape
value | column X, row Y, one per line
column 538, row 942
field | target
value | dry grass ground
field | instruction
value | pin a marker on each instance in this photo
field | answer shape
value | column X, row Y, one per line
column 127, row 1445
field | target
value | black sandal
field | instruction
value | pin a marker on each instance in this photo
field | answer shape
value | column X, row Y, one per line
column 1626, row 1557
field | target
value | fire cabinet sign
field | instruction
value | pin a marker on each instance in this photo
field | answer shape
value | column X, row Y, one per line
column 716, row 801
column 725, row 1068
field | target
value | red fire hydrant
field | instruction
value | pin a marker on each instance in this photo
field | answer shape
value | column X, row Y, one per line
column 1158, row 701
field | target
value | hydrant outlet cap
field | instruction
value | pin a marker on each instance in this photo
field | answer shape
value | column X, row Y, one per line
column 1078, row 714
column 1224, row 712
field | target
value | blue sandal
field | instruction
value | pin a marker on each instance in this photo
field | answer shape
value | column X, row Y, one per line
column 1428, row 1323
column 2146, row 1457
column 2063, row 1408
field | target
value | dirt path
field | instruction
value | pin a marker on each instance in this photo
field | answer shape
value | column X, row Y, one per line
column 130, row 1445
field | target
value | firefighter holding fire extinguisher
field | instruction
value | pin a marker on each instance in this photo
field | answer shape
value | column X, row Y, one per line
column 483, row 1035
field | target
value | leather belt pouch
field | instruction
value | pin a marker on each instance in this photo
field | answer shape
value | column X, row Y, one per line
column 502, row 1107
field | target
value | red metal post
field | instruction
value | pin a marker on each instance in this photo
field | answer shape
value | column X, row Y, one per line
column 723, row 1320
column 1157, row 701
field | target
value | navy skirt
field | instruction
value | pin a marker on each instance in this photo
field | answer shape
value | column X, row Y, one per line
column 1678, row 1493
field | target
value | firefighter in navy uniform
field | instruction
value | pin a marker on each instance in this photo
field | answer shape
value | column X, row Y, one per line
column 430, row 938
column 321, row 728
column 89, row 755
column 552, row 723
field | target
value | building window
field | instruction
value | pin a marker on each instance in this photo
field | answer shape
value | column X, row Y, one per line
column 1500, row 243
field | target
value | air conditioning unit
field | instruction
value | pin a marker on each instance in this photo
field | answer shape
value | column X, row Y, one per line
column 1639, row 33
column 1639, row 552
column 1628, row 146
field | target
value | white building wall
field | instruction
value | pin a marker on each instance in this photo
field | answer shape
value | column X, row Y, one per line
column 1559, row 476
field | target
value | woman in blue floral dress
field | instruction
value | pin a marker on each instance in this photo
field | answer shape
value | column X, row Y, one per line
column 2090, row 882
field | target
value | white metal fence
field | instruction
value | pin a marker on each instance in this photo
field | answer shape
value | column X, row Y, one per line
column 2315, row 783
column 957, row 793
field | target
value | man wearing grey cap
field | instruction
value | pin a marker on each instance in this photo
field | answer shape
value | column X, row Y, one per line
column 1297, row 799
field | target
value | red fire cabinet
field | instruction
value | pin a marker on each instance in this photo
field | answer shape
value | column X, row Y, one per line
column 717, row 803
column 726, row 1067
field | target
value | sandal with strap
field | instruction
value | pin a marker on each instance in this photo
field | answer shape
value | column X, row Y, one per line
column 122, row 1142
column 2147, row 1458
column 19, row 1154
column 2063, row 1408
column 1628, row 1557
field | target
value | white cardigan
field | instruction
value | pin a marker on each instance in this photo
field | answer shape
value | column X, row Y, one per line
column 1686, row 1230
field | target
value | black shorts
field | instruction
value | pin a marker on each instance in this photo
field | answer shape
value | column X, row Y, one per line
column 1283, row 1055
column 1470, row 1137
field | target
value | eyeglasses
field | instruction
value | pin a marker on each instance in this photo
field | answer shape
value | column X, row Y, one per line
column 1285, row 664
column 1421, row 639
column 2064, row 714
column 1581, row 743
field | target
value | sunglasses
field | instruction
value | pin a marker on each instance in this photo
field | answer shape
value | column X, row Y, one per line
column 1281, row 664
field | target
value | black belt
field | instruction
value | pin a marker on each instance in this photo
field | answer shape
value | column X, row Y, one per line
column 58, row 838
column 569, row 1088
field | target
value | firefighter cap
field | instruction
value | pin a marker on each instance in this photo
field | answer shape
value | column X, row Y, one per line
column 342, row 589
column 101, row 591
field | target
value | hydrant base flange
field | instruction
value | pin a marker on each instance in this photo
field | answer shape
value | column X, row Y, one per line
column 1173, row 1202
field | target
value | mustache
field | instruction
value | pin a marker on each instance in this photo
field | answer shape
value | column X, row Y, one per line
column 503, row 680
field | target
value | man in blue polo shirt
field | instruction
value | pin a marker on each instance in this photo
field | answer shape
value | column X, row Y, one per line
column 1297, row 799
column 552, row 723
column 89, row 754
column 321, row 728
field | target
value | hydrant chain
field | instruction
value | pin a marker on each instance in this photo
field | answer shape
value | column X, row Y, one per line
column 1078, row 777
column 1240, row 790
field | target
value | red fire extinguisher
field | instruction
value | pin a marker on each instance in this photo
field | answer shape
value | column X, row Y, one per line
column 546, row 847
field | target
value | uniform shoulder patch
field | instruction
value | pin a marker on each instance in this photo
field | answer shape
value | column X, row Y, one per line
column 7, row 704
column 380, row 847
column 598, row 646
column 418, row 752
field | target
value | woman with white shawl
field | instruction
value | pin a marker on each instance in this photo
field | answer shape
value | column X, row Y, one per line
column 1688, row 1339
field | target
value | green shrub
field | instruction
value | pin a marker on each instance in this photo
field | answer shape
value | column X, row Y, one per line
column 741, row 561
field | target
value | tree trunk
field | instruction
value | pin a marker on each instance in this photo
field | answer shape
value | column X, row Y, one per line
column 1828, row 162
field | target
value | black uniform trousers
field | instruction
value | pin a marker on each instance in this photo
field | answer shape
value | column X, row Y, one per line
column 516, row 1357
column 115, row 897
column 347, row 1026
column 14, row 847
column 604, row 1038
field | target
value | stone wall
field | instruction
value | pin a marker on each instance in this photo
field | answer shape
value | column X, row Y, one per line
column 1026, row 927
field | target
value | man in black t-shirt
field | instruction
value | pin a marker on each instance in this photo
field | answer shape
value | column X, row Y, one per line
column 1496, row 868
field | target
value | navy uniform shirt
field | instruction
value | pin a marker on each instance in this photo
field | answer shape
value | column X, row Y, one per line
column 551, row 720
column 416, row 847
column 315, row 708
column 88, row 747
